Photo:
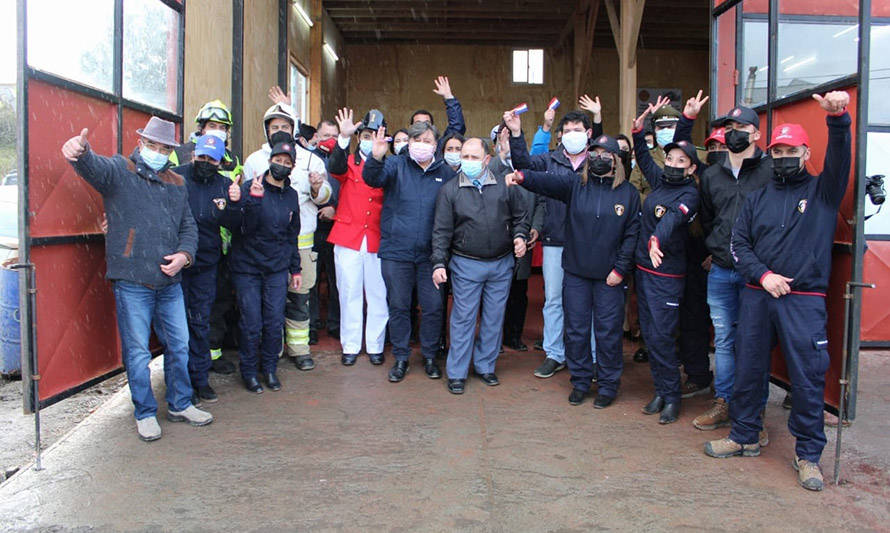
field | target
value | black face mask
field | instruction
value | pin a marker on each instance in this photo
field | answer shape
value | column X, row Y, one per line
column 786, row 167
column 714, row 157
column 737, row 141
column 280, row 137
column 674, row 174
column 599, row 167
column 279, row 172
column 205, row 170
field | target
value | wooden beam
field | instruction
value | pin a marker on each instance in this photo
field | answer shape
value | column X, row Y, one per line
column 584, row 26
column 316, row 56
column 628, row 31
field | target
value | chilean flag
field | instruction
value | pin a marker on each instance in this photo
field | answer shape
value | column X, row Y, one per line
column 520, row 109
column 554, row 103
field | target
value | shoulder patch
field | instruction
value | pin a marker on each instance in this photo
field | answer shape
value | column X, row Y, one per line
column 220, row 203
column 660, row 211
column 619, row 209
column 802, row 206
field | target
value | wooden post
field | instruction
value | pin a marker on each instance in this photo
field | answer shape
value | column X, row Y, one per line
column 316, row 56
column 584, row 23
column 626, row 32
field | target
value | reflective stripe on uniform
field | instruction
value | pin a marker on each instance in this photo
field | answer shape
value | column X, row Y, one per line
column 297, row 336
column 306, row 240
column 215, row 353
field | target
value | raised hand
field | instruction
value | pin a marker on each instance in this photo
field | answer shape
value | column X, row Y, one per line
column 344, row 122
column 380, row 145
column 443, row 87
column 234, row 192
column 440, row 276
column 513, row 122
column 777, row 285
column 278, row 96
column 591, row 105
column 75, row 146
column 694, row 105
column 660, row 102
column 833, row 102
column 549, row 116
column 256, row 187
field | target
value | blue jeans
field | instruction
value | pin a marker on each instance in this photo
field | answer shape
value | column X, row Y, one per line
column 136, row 305
column 554, row 343
column 724, row 290
column 400, row 278
column 474, row 282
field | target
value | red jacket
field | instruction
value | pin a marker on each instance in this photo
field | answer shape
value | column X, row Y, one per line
column 359, row 206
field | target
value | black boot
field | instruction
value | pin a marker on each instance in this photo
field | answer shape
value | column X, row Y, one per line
column 670, row 413
column 398, row 371
column 431, row 368
column 655, row 406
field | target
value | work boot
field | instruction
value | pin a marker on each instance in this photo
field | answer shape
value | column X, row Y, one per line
column 548, row 368
column 690, row 389
column 809, row 474
column 192, row 415
column 727, row 447
column 304, row 362
column 148, row 429
column 715, row 417
column 221, row 366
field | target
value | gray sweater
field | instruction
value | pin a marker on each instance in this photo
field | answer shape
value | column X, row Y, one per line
column 148, row 217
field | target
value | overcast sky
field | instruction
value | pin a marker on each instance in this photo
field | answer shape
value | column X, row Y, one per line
column 7, row 42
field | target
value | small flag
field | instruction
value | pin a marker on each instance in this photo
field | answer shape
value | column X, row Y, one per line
column 684, row 209
column 520, row 109
column 554, row 103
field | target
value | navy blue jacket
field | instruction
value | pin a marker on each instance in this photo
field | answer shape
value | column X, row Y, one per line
column 267, row 239
column 788, row 226
column 210, row 205
column 554, row 231
column 409, row 204
column 603, row 222
column 667, row 213
column 148, row 216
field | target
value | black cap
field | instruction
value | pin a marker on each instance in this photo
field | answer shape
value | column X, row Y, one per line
column 306, row 131
column 606, row 142
column 687, row 147
column 373, row 120
column 284, row 148
column 742, row 115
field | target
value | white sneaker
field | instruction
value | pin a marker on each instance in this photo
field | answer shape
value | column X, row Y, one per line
column 192, row 415
column 148, row 429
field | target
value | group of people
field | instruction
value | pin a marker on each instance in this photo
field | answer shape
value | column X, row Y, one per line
column 416, row 214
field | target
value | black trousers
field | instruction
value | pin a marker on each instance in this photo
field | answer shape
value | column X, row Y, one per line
column 517, row 305
column 325, row 251
column 695, row 327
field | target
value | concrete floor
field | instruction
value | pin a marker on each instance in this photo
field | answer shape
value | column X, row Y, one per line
column 342, row 449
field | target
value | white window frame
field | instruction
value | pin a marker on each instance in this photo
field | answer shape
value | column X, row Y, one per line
column 528, row 66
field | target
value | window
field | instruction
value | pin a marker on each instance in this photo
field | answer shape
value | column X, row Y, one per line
column 151, row 54
column 72, row 42
column 754, row 74
column 299, row 92
column 811, row 53
column 528, row 66
column 877, row 162
column 879, row 76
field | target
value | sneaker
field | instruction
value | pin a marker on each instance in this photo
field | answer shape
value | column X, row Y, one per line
column 809, row 474
column 690, row 389
column 148, row 429
column 548, row 368
column 192, row 415
column 763, row 438
column 715, row 417
column 727, row 447
column 206, row 394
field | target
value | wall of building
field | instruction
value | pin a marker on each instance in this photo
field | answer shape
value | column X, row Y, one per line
column 208, row 57
column 333, row 93
column 260, row 68
column 398, row 79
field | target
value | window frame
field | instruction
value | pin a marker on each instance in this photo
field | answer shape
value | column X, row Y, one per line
column 527, row 66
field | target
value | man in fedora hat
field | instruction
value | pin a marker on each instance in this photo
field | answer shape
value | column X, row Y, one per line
column 144, row 256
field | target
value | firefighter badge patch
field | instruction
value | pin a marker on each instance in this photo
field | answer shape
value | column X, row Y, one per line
column 619, row 209
column 660, row 211
column 802, row 206
column 220, row 203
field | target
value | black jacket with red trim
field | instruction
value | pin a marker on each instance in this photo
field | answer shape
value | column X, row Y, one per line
column 666, row 215
column 788, row 226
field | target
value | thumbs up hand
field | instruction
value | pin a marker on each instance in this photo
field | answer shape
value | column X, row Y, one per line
column 75, row 146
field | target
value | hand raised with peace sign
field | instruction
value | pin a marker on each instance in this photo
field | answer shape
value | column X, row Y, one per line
column 694, row 105
column 640, row 121
column 75, row 146
column 256, row 187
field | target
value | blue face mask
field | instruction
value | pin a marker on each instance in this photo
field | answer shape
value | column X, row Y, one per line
column 472, row 169
column 664, row 137
column 452, row 158
column 155, row 160
column 364, row 146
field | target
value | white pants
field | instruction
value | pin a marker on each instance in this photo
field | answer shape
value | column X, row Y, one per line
column 358, row 278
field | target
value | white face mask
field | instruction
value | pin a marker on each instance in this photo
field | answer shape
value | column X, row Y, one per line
column 397, row 146
column 219, row 134
column 574, row 141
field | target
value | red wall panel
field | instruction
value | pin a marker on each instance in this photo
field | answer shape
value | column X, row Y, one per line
column 875, row 311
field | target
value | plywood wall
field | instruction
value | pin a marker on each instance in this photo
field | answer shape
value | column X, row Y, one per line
column 333, row 92
column 398, row 79
column 208, row 57
column 260, row 67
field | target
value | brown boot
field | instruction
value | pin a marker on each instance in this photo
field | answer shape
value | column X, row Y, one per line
column 715, row 417
column 727, row 447
column 809, row 474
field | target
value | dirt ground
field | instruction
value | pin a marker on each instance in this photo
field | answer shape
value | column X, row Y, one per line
column 17, row 429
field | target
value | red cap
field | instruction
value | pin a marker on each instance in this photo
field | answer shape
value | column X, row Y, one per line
column 718, row 134
column 789, row 134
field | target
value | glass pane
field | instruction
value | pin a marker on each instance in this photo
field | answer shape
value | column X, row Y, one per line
column 726, row 80
column 812, row 53
column 520, row 66
column 536, row 66
column 879, row 85
column 878, row 162
column 299, row 92
column 151, row 53
column 753, row 76
column 73, row 41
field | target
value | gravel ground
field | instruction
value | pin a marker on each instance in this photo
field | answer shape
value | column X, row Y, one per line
column 17, row 429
